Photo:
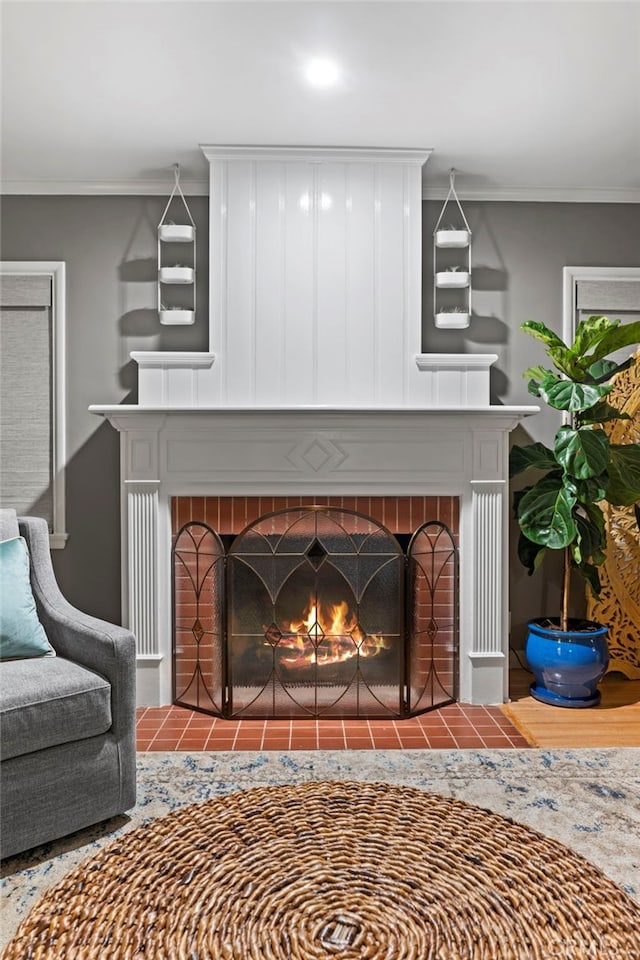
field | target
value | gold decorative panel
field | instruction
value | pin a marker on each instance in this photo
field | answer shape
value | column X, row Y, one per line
column 619, row 602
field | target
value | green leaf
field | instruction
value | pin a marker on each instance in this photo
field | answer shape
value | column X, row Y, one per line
column 538, row 330
column 530, row 554
column 589, row 333
column 583, row 452
column 517, row 497
column 565, row 363
column 590, row 574
column 545, row 513
column 593, row 489
column 533, row 387
column 534, row 455
column 537, row 373
column 590, row 540
column 620, row 335
column 596, row 516
column 600, row 334
column 602, row 370
column 602, row 412
column 623, row 488
column 564, row 394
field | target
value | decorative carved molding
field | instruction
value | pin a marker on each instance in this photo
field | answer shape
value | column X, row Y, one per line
column 488, row 566
column 317, row 456
column 142, row 530
column 619, row 602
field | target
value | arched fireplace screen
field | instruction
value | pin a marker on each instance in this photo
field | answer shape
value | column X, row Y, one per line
column 315, row 616
column 323, row 614
column 198, row 619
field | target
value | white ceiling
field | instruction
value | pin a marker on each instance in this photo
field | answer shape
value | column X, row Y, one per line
column 537, row 100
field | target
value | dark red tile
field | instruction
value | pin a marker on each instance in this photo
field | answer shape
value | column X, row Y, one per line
column 496, row 741
column 441, row 743
column 464, row 725
column 275, row 743
column 467, row 742
column 386, row 743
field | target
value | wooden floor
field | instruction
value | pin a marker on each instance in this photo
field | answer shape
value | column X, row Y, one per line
column 615, row 722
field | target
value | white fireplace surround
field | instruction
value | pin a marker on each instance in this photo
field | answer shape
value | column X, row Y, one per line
column 198, row 452
column 315, row 384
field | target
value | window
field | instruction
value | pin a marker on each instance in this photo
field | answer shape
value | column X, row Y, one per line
column 613, row 291
column 32, row 391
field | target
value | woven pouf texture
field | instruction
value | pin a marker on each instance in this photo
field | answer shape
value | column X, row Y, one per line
column 332, row 870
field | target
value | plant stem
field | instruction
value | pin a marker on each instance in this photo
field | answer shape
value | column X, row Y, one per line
column 566, row 586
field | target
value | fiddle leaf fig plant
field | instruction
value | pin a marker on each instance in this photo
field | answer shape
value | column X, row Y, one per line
column 560, row 510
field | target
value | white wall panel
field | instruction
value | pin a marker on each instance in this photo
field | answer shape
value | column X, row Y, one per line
column 269, row 355
column 331, row 287
column 360, row 246
column 315, row 295
column 299, row 318
column 237, row 357
column 390, row 331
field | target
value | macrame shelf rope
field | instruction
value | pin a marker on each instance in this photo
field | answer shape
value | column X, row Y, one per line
column 176, row 274
column 452, row 274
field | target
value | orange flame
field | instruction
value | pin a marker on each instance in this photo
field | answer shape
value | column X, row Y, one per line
column 336, row 632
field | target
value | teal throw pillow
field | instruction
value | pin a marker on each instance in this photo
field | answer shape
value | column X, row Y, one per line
column 21, row 633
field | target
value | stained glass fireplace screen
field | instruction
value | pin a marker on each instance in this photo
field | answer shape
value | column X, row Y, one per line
column 315, row 613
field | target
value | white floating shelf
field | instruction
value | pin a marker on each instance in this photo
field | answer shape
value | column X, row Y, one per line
column 176, row 274
column 176, row 232
column 451, row 320
column 171, row 318
column 453, row 238
column 453, row 278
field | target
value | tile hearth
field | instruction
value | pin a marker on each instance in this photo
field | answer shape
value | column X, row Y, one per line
column 456, row 726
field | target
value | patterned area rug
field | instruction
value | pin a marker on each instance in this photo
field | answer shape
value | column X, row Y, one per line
column 587, row 799
column 329, row 868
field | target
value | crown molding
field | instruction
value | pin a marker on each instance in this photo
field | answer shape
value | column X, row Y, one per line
column 310, row 154
column 115, row 188
column 200, row 188
column 523, row 194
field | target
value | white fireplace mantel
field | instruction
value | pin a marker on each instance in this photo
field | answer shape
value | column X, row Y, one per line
column 459, row 451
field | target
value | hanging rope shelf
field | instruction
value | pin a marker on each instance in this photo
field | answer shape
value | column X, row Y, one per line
column 184, row 311
column 452, row 275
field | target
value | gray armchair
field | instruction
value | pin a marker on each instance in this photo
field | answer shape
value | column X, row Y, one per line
column 67, row 723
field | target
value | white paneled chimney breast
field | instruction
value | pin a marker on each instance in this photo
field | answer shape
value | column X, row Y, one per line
column 315, row 287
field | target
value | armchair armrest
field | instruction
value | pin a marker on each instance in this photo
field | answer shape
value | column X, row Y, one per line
column 100, row 646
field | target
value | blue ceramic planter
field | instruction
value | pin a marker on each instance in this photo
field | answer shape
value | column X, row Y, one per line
column 567, row 664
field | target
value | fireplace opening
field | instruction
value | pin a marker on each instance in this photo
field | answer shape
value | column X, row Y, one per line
column 315, row 611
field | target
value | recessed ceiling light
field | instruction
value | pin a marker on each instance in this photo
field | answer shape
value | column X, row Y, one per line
column 321, row 72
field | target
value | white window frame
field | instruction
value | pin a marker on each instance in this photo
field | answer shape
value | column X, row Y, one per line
column 570, row 278
column 55, row 269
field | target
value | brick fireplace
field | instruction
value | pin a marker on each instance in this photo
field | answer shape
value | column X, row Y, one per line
column 319, row 607
column 315, row 387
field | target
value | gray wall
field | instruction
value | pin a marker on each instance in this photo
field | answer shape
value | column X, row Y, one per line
column 109, row 245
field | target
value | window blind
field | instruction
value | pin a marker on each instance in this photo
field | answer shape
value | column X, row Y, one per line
column 608, row 296
column 26, row 407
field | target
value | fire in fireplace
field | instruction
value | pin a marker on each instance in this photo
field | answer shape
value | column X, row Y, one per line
column 314, row 611
column 335, row 635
